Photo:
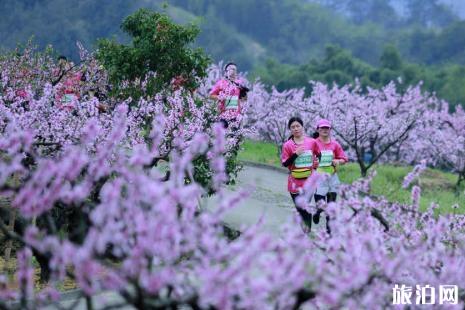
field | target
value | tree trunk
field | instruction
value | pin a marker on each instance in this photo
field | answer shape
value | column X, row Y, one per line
column 11, row 227
column 459, row 181
column 363, row 168
column 5, row 203
column 363, row 171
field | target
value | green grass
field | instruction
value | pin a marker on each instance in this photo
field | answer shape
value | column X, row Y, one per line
column 437, row 186
column 261, row 152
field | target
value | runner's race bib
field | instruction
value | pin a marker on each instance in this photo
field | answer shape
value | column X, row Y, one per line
column 326, row 161
column 232, row 103
column 326, row 158
column 304, row 160
column 67, row 98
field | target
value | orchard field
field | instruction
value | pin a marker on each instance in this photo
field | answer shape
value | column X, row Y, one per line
column 80, row 148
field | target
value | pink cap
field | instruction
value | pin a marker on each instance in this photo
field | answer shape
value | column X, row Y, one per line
column 323, row 123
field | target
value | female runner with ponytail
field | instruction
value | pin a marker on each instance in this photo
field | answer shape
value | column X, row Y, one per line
column 299, row 155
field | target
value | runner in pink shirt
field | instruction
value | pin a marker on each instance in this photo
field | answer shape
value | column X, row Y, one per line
column 70, row 83
column 332, row 155
column 229, row 95
column 299, row 155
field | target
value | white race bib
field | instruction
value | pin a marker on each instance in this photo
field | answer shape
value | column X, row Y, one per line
column 326, row 158
column 232, row 103
column 67, row 98
column 304, row 160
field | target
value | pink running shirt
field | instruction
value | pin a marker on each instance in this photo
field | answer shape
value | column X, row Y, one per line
column 289, row 148
column 329, row 151
column 228, row 93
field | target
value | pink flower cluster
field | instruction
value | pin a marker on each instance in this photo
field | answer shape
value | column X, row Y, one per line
column 372, row 125
column 149, row 240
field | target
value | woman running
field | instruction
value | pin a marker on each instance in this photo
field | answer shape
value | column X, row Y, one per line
column 233, row 92
column 332, row 156
column 299, row 155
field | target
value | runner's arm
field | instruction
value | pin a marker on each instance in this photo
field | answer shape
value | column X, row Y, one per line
column 340, row 156
column 317, row 155
column 290, row 160
column 288, row 156
column 216, row 90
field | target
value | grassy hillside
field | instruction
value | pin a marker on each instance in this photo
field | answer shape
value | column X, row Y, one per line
column 437, row 186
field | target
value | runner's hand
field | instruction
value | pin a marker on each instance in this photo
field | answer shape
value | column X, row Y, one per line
column 300, row 149
column 316, row 163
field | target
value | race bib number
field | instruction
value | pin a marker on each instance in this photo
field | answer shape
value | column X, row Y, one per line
column 67, row 98
column 232, row 103
column 326, row 158
column 304, row 160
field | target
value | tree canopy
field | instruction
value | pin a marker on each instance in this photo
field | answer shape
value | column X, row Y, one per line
column 159, row 46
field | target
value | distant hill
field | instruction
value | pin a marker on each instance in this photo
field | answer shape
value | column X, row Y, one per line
column 252, row 31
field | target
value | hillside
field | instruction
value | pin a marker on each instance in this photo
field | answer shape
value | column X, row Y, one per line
column 291, row 31
column 427, row 34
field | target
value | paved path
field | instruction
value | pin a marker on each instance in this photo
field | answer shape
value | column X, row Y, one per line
column 268, row 199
